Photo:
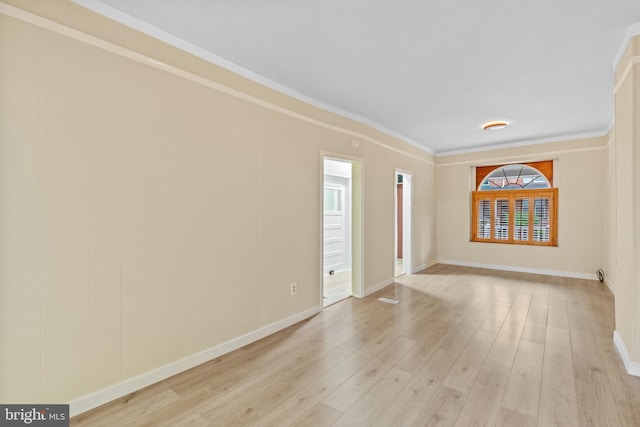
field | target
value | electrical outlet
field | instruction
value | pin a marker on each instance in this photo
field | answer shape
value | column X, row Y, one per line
column 294, row 288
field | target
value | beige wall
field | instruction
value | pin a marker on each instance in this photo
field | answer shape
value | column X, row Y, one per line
column 610, row 215
column 146, row 217
column 578, row 174
column 624, row 212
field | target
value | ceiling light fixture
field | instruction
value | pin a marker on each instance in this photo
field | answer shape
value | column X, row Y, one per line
column 494, row 125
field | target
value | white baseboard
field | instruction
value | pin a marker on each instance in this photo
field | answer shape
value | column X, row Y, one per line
column 611, row 286
column 424, row 266
column 521, row 269
column 418, row 268
column 633, row 368
column 375, row 288
column 130, row 385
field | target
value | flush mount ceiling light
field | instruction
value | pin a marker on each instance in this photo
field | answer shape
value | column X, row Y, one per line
column 494, row 125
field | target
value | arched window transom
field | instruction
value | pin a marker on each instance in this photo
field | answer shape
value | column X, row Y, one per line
column 514, row 177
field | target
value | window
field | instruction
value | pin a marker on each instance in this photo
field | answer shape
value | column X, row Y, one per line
column 332, row 199
column 515, row 204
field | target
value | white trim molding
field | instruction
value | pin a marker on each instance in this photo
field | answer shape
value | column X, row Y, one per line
column 424, row 266
column 635, row 60
column 611, row 285
column 526, row 143
column 632, row 31
column 570, row 274
column 132, row 22
column 633, row 368
column 419, row 268
column 526, row 158
column 381, row 285
column 375, row 288
column 90, row 40
column 130, row 385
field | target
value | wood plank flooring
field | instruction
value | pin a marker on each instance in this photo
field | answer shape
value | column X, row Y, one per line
column 464, row 347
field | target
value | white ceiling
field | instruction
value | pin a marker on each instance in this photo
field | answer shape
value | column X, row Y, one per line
column 429, row 71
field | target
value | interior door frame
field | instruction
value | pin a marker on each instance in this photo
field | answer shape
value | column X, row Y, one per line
column 407, row 219
column 357, row 222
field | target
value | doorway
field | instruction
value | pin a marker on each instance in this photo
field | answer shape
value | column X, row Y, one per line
column 403, row 210
column 340, row 227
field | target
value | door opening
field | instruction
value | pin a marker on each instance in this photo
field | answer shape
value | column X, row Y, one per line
column 403, row 210
column 341, row 231
column 337, row 248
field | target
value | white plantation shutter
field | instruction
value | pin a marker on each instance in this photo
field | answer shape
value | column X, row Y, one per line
column 526, row 217
column 541, row 219
column 521, row 219
column 483, row 225
column 501, row 219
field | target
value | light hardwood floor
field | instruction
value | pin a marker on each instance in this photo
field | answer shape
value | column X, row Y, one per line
column 464, row 347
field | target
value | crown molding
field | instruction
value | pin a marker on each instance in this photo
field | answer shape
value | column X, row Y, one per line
column 632, row 31
column 119, row 16
column 525, row 143
column 633, row 61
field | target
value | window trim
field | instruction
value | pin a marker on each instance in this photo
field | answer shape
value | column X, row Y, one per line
column 511, row 196
column 545, row 167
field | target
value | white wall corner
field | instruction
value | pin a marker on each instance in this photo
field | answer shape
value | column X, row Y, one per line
column 375, row 288
column 633, row 368
column 130, row 385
